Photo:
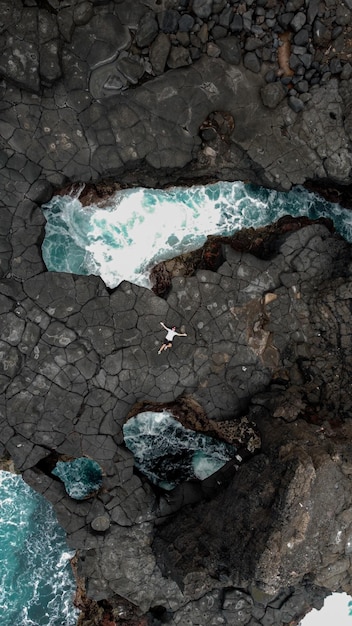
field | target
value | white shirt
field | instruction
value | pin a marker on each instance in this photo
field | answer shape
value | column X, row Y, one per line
column 170, row 334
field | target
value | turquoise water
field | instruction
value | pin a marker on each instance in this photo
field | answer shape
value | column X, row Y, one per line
column 167, row 453
column 141, row 227
column 82, row 477
column 37, row 583
column 121, row 242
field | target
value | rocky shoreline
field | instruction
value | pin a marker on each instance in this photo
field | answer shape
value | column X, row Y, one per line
column 154, row 93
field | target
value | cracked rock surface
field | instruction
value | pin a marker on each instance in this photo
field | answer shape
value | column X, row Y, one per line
column 153, row 93
column 76, row 358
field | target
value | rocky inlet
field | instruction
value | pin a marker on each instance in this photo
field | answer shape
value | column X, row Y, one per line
column 177, row 92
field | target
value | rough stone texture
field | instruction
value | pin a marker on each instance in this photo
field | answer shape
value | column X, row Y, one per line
column 71, row 371
column 272, row 94
column 94, row 90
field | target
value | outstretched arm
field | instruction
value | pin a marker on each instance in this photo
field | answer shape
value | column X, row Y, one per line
column 181, row 334
column 163, row 325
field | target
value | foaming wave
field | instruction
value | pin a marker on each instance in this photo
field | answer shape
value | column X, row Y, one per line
column 37, row 584
column 142, row 227
column 169, row 453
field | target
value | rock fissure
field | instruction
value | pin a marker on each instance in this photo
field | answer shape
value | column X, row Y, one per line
column 77, row 111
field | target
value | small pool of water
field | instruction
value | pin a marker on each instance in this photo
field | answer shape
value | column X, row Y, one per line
column 82, row 477
column 168, row 453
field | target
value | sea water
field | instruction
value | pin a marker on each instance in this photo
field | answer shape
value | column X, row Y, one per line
column 141, row 227
column 168, row 453
column 37, row 584
column 81, row 477
column 122, row 241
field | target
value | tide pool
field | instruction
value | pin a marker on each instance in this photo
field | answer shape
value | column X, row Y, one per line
column 82, row 477
column 168, row 453
column 141, row 227
column 37, row 584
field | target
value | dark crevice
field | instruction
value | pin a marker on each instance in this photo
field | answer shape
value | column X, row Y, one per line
column 47, row 464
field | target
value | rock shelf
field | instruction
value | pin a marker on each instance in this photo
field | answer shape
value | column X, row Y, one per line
column 156, row 93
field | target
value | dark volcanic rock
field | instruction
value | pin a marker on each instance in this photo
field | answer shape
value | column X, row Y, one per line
column 230, row 50
column 159, row 53
column 20, row 64
column 50, row 69
column 202, row 8
column 296, row 104
column 272, row 94
column 147, row 30
column 168, row 21
column 94, row 90
column 93, row 354
column 178, row 57
column 251, row 62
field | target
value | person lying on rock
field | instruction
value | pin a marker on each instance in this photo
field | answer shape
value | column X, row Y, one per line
column 171, row 333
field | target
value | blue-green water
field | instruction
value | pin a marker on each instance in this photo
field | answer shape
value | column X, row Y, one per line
column 169, row 453
column 82, row 477
column 141, row 227
column 123, row 241
column 37, row 583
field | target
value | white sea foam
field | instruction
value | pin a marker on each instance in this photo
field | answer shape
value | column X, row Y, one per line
column 167, row 452
column 37, row 583
column 336, row 610
column 142, row 227
column 205, row 465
